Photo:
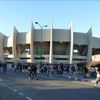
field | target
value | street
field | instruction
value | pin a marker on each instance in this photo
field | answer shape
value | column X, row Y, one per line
column 17, row 86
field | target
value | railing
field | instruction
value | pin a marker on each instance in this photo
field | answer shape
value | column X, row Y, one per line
column 8, row 56
column 24, row 55
column 79, row 57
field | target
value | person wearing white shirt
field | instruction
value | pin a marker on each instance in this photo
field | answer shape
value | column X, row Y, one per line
column 98, row 76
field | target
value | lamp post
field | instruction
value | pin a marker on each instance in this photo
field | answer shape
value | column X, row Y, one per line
column 41, row 36
column 41, row 28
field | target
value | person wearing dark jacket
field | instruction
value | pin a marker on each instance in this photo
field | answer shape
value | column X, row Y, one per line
column 32, row 71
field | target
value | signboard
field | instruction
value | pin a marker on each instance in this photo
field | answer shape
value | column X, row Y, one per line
column 39, row 52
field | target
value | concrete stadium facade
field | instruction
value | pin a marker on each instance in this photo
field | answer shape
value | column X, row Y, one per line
column 48, row 45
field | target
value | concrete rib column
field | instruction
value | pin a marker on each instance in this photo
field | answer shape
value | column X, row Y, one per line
column 51, row 45
column 19, row 52
column 15, row 32
column 31, row 44
column 89, row 40
column 1, row 47
column 71, row 43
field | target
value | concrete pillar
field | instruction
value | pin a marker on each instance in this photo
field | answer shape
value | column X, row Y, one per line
column 15, row 32
column 71, row 43
column 32, row 44
column 51, row 45
column 89, row 41
column 19, row 51
column 1, row 47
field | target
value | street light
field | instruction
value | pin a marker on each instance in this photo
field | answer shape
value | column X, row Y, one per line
column 41, row 28
column 41, row 36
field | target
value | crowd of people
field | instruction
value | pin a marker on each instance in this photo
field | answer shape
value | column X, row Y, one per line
column 46, row 69
column 72, row 71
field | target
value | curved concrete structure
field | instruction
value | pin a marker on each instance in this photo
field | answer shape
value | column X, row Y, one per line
column 57, row 46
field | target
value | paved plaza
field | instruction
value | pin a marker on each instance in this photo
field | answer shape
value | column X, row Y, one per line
column 17, row 86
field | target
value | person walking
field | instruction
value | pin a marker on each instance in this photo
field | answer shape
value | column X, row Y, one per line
column 29, row 71
column 97, row 76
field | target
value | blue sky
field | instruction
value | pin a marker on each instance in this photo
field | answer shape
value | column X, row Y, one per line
column 20, row 14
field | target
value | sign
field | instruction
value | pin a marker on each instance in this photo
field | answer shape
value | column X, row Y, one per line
column 40, row 52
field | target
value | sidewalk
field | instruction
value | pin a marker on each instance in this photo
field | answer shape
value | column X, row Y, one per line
column 88, row 81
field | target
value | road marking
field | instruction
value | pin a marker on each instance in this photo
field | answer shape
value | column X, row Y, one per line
column 28, row 98
column 14, row 90
column 20, row 93
column 10, row 87
column 1, row 79
column 5, row 85
column 2, row 83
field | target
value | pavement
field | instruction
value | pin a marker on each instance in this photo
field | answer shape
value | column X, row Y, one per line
column 17, row 86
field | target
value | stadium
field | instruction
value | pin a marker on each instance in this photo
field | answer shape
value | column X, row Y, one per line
column 48, row 45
